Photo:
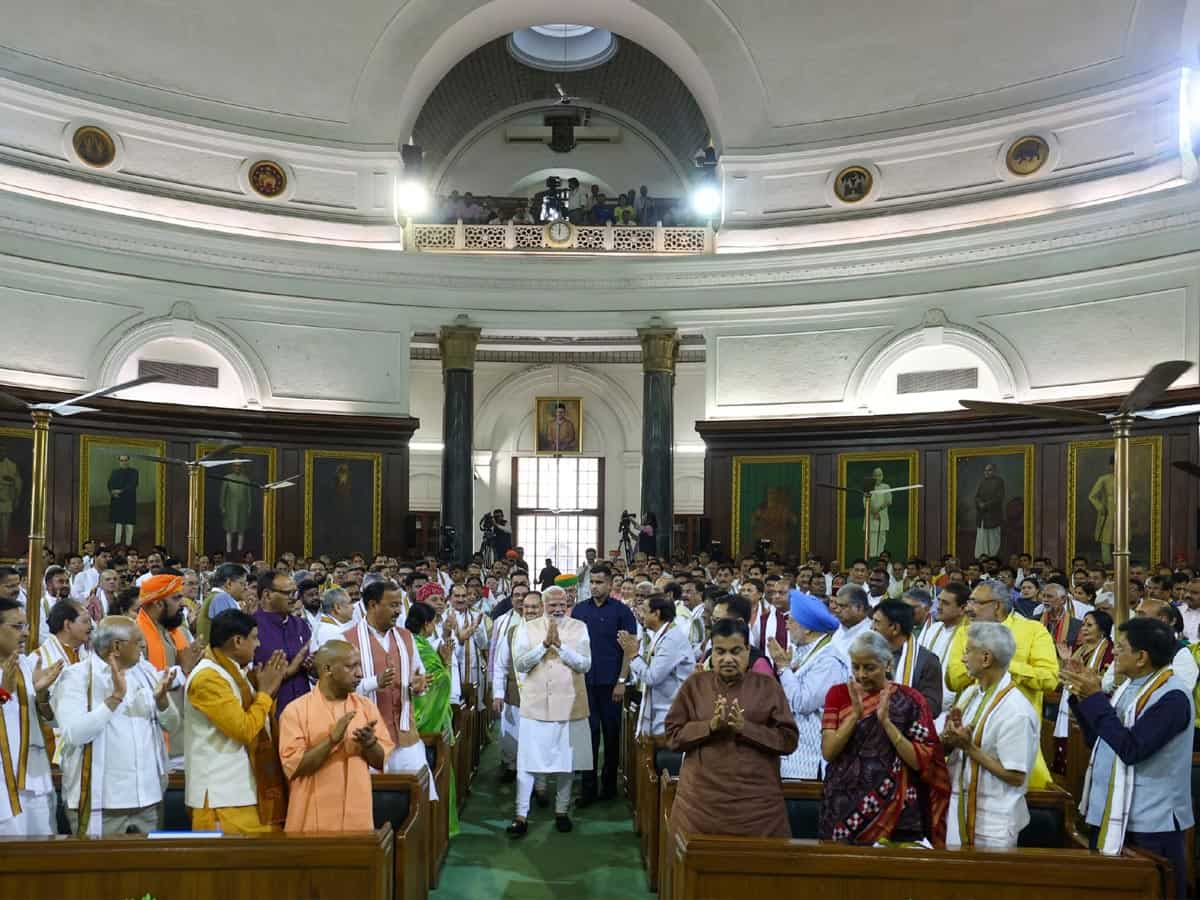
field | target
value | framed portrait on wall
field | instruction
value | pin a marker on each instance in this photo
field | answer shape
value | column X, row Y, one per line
column 558, row 424
column 1091, row 500
column 121, row 495
column 16, row 489
column 343, row 498
column 771, row 503
column 873, row 479
column 990, row 501
column 238, row 515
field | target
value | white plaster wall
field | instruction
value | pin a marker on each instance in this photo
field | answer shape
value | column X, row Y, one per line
column 504, row 402
column 491, row 165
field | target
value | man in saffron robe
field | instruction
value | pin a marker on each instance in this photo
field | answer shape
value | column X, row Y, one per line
column 734, row 725
column 328, row 743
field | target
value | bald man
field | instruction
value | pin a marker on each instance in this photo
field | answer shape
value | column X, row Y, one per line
column 1184, row 664
column 328, row 744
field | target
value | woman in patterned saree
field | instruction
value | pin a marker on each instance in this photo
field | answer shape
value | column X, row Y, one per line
column 886, row 778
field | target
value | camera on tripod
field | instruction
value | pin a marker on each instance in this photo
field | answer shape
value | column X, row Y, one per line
column 628, row 523
column 487, row 524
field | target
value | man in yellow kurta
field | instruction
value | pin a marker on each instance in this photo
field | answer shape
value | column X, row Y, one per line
column 328, row 745
column 1034, row 667
column 234, row 783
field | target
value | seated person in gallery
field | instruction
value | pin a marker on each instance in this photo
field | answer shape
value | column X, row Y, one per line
column 734, row 725
column 886, row 777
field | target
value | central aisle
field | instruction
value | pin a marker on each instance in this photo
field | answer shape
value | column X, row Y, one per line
column 599, row 860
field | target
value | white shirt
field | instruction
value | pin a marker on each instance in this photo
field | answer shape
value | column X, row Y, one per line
column 133, row 777
column 936, row 637
column 844, row 636
column 671, row 661
column 314, row 626
column 82, row 584
column 1184, row 665
column 1011, row 735
column 1191, row 622
column 502, row 654
column 328, row 631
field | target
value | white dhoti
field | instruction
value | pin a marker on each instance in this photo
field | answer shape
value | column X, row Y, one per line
column 510, row 732
column 558, row 748
column 404, row 760
column 36, row 819
column 987, row 541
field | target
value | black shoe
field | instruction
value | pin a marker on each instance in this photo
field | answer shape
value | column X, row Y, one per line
column 508, row 776
column 540, row 798
column 517, row 829
column 586, row 800
column 563, row 823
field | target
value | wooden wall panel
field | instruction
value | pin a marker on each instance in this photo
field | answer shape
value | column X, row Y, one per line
column 933, row 435
column 184, row 427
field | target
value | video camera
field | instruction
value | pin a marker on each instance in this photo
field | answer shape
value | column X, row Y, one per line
column 628, row 523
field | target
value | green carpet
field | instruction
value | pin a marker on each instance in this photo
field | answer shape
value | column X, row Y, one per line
column 599, row 860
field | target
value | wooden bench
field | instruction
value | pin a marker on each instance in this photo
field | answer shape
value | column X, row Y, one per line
column 627, row 765
column 709, row 867
column 1051, row 820
column 438, row 755
column 646, row 806
column 231, row 867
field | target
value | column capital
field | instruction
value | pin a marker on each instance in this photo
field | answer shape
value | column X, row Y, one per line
column 660, row 349
column 457, row 345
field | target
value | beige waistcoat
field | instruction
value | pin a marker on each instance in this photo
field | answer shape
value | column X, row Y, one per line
column 551, row 691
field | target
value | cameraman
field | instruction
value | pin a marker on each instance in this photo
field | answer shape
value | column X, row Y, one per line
column 502, row 534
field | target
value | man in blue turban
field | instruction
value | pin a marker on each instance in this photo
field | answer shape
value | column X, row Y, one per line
column 807, row 674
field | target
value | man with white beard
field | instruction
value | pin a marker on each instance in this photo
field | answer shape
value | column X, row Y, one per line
column 550, row 656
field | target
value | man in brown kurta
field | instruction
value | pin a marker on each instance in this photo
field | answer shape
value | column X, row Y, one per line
column 733, row 725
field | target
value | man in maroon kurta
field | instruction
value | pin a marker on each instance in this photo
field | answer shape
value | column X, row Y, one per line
column 392, row 672
column 733, row 726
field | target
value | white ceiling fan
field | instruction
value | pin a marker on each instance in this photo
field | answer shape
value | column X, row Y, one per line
column 564, row 99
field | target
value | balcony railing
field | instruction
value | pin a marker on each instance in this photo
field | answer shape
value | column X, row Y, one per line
column 462, row 238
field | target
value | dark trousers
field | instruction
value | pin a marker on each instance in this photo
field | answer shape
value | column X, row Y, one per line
column 604, row 717
column 1167, row 844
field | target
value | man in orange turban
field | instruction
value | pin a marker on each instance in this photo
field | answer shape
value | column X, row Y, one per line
column 160, row 619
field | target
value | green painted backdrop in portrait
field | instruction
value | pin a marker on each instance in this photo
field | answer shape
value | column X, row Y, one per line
column 1090, row 500
column 899, row 470
column 771, row 501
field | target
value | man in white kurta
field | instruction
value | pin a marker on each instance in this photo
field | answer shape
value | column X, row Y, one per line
column 666, row 665
column 991, row 741
column 112, row 709
column 506, row 697
column 470, row 641
column 26, row 788
column 551, row 655
column 937, row 637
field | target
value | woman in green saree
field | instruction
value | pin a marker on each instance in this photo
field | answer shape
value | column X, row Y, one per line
column 432, row 708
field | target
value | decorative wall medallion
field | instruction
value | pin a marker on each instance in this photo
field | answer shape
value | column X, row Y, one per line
column 1027, row 155
column 94, row 146
column 853, row 183
column 268, row 178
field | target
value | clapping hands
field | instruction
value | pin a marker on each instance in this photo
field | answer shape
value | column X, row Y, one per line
column 629, row 644
column 727, row 715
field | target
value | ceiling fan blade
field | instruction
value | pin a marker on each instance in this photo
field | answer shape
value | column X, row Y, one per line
column 8, row 401
column 62, row 410
column 1154, row 384
column 907, row 487
column 161, row 459
column 1036, row 410
column 216, row 463
column 1185, row 466
column 278, row 486
column 558, row 87
column 228, row 446
column 234, row 479
column 837, row 487
column 112, row 389
column 1169, row 413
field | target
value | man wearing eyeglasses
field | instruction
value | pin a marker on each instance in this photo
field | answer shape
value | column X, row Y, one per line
column 1034, row 665
column 278, row 629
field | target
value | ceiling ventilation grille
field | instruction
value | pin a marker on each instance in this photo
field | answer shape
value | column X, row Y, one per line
column 937, row 380
column 179, row 373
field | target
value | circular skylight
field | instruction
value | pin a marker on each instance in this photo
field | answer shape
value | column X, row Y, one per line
column 562, row 47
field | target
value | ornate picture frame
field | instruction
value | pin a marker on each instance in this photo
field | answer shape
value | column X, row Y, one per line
column 769, row 492
column 16, row 491
column 852, row 467
column 965, row 466
column 335, row 483
column 557, row 435
column 97, row 458
column 265, row 506
column 1087, row 464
